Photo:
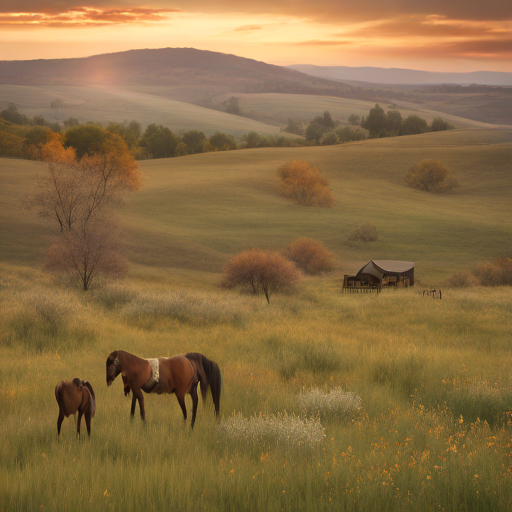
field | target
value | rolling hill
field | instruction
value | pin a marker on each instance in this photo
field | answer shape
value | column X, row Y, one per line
column 195, row 212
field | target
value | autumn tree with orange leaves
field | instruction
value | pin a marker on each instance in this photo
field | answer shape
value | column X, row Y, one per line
column 304, row 184
column 259, row 271
column 78, row 198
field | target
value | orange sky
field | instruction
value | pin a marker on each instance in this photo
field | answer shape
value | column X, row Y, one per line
column 434, row 35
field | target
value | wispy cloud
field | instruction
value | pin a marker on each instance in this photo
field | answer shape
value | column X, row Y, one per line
column 87, row 16
column 248, row 28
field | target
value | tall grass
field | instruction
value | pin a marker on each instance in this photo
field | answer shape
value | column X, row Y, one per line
column 424, row 385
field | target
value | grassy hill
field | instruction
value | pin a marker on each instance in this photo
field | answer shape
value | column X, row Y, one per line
column 195, row 212
column 411, row 392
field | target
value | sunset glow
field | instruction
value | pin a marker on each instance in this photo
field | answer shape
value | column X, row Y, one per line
column 433, row 37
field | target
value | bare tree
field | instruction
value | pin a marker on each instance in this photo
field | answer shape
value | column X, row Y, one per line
column 78, row 198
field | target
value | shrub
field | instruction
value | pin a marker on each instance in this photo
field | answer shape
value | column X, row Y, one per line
column 279, row 428
column 304, row 184
column 365, row 232
column 337, row 403
column 430, row 175
column 260, row 271
column 496, row 273
column 463, row 279
column 310, row 256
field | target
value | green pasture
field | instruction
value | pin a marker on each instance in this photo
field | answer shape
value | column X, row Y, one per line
column 433, row 376
column 105, row 104
column 195, row 212
column 274, row 108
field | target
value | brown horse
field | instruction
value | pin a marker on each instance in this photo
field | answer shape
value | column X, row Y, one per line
column 179, row 374
column 72, row 397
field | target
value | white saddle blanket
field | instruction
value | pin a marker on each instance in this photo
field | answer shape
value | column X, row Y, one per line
column 155, row 373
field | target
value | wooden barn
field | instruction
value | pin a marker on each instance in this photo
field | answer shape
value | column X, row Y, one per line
column 377, row 275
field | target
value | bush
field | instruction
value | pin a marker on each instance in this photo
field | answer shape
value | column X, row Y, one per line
column 310, row 256
column 430, row 175
column 260, row 272
column 337, row 403
column 365, row 232
column 304, row 184
column 496, row 273
column 463, row 279
column 277, row 429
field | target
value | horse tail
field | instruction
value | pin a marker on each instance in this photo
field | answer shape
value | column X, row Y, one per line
column 58, row 389
column 209, row 376
column 93, row 396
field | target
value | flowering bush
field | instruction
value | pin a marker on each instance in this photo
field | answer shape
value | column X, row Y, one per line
column 339, row 403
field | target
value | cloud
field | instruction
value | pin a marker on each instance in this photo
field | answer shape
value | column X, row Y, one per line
column 327, row 11
column 86, row 16
column 248, row 28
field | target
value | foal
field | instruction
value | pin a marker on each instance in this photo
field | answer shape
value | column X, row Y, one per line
column 72, row 397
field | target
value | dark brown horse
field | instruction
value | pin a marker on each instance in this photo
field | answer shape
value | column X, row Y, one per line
column 72, row 397
column 179, row 374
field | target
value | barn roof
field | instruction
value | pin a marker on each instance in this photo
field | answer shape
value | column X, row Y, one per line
column 384, row 266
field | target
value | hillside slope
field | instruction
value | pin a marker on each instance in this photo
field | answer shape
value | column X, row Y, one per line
column 197, row 211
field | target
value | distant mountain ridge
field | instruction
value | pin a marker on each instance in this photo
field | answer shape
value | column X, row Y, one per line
column 404, row 76
column 180, row 67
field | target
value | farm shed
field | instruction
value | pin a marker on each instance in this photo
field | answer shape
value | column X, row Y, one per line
column 379, row 274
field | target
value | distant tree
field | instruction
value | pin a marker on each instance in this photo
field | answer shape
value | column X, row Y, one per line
column 376, row 121
column 86, row 139
column 430, row 175
column 159, row 141
column 354, row 119
column 57, row 103
column 35, row 138
column 304, row 184
column 71, row 121
column 325, row 120
column 232, row 106
column 439, row 125
column 195, row 140
column 222, row 141
column 296, row 126
column 394, row 122
column 347, row 134
column 12, row 115
column 310, row 256
column 414, row 125
column 463, row 279
column 131, row 136
column 260, row 271
column 314, row 131
column 328, row 139
column 252, row 139
column 366, row 232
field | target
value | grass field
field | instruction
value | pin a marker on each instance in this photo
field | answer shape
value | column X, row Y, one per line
column 105, row 104
column 432, row 376
column 268, row 112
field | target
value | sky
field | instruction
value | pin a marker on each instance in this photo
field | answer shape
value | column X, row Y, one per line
column 432, row 35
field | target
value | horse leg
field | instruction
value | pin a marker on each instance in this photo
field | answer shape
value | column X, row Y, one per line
column 181, row 401
column 60, row 419
column 193, row 394
column 88, row 421
column 134, row 402
column 79, row 420
column 140, row 397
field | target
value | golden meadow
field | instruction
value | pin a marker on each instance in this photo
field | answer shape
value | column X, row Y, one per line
column 357, row 402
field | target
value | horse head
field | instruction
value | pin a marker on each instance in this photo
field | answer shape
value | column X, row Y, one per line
column 113, row 367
